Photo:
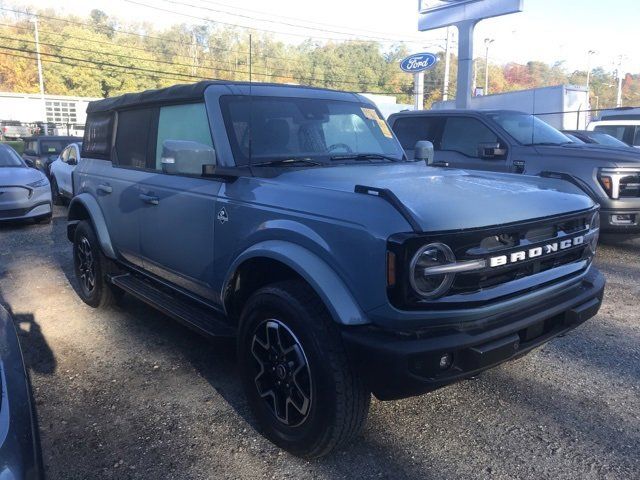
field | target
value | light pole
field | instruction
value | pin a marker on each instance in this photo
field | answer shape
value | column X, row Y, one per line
column 487, row 42
column 620, row 74
column 447, row 66
column 40, row 79
column 590, row 53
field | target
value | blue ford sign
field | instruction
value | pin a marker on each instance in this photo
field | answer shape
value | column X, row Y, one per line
column 418, row 62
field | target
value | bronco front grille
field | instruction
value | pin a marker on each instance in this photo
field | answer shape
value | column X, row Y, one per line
column 550, row 249
column 518, row 238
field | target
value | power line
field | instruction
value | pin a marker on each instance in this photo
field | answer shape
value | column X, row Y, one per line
column 128, row 57
column 163, row 77
column 242, row 26
column 298, row 19
column 105, row 64
column 250, row 17
column 139, row 35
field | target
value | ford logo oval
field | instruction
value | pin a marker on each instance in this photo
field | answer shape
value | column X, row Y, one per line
column 418, row 62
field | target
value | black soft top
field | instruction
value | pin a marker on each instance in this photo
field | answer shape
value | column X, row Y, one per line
column 182, row 93
column 177, row 93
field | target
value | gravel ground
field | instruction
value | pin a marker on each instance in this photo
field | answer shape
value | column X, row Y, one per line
column 129, row 393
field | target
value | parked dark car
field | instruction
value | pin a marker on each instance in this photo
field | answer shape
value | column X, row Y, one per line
column 593, row 137
column 40, row 152
column 20, row 456
column 516, row 142
column 290, row 219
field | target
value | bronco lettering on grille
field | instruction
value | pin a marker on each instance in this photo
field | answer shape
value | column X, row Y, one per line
column 534, row 252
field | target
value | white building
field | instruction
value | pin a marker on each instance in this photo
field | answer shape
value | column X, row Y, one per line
column 60, row 109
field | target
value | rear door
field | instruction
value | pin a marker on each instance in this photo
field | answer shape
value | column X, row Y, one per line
column 177, row 212
column 116, row 183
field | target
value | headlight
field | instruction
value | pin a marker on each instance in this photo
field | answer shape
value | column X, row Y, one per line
column 43, row 182
column 431, row 285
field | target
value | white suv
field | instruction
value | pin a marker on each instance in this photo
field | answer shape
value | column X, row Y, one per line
column 626, row 130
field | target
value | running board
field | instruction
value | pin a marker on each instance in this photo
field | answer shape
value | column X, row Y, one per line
column 201, row 319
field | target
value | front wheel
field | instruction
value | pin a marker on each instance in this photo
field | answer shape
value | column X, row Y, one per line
column 299, row 382
column 90, row 268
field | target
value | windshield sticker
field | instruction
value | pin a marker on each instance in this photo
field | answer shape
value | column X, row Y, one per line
column 370, row 113
column 385, row 128
column 51, row 150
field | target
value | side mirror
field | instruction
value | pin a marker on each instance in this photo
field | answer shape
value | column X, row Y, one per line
column 424, row 151
column 186, row 157
column 491, row 150
column 29, row 162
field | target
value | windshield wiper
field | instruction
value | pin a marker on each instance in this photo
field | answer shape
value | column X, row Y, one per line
column 364, row 156
column 286, row 162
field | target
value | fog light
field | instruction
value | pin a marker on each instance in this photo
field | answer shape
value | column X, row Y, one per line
column 625, row 219
column 445, row 361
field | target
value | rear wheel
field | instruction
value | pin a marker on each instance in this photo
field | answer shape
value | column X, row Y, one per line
column 90, row 266
column 299, row 382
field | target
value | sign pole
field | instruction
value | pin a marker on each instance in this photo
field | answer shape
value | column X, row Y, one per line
column 418, row 91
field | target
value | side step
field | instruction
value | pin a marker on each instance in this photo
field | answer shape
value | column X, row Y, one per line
column 197, row 317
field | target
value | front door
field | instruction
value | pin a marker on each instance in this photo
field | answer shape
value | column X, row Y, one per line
column 460, row 141
column 68, row 161
column 177, row 220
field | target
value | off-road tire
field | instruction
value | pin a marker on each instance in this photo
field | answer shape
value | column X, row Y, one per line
column 102, row 294
column 339, row 401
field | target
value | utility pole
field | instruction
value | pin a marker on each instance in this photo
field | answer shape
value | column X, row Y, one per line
column 619, row 72
column 487, row 42
column 447, row 66
column 589, row 54
column 40, row 79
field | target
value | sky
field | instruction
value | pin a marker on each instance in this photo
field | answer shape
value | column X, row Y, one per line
column 546, row 30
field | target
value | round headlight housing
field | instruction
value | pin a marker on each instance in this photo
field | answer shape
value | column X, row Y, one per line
column 594, row 231
column 431, row 285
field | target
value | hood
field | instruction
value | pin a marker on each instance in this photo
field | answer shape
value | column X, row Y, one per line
column 614, row 156
column 18, row 176
column 446, row 199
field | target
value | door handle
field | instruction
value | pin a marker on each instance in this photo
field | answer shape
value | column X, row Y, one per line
column 104, row 188
column 150, row 199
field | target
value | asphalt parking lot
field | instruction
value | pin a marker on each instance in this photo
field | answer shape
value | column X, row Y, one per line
column 129, row 393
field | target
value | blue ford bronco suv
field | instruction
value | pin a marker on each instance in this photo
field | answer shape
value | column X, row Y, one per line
column 289, row 218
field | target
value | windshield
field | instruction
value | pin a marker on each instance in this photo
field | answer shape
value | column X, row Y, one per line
column 528, row 129
column 51, row 147
column 606, row 139
column 9, row 158
column 306, row 129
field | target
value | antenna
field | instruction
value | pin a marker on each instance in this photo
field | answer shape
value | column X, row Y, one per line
column 250, row 105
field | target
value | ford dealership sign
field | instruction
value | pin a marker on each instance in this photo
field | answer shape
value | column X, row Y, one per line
column 418, row 62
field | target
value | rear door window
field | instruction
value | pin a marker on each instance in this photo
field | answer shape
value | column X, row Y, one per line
column 98, row 135
column 463, row 134
column 132, row 137
column 410, row 130
column 616, row 131
column 182, row 122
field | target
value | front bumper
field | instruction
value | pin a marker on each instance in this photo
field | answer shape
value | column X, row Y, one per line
column 18, row 203
column 398, row 364
column 610, row 220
